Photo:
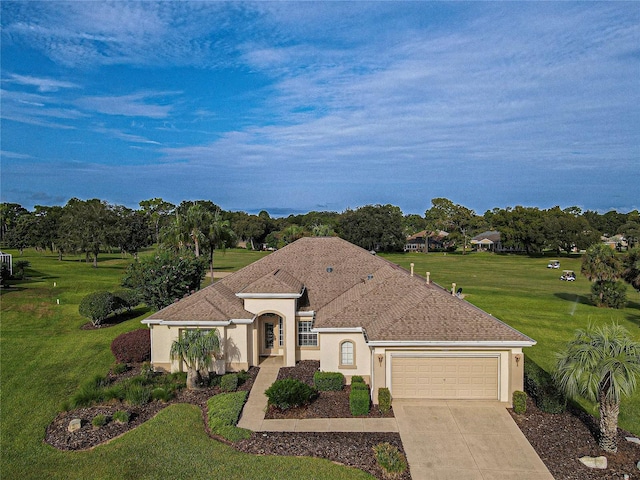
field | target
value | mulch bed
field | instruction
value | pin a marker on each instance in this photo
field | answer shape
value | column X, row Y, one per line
column 561, row 439
column 327, row 405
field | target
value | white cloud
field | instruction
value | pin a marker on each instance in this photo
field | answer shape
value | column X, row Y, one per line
column 133, row 105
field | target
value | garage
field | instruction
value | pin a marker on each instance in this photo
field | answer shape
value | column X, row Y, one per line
column 445, row 377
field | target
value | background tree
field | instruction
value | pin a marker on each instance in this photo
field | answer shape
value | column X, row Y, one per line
column 455, row 219
column 374, row 227
column 602, row 267
column 158, row 213
column 131, row 231
column 519, row 227
column 216, row 234
column 21, row 234
column 601, row 364
column 631, row 265
column 165, row 277
column 9, row 215
column 567, row 229
column 249, row 228
column 196, row 349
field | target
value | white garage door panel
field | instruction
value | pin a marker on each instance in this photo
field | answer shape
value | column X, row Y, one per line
column 445, row 377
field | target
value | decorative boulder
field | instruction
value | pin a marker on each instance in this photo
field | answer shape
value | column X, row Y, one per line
column 74, row 425
column 633, row 440
column 595, row 462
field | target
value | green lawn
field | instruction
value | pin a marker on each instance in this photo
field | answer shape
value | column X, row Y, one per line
column 45, row 355
column 523, row 293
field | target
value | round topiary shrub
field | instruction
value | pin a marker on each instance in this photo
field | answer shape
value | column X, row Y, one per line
column 289, row 392
column 132, row 347
column 97, row 306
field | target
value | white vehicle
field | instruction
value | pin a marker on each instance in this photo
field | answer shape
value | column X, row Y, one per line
column 554, row 264
column 568, row 276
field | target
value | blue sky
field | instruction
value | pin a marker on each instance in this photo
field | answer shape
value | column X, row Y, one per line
column 293, row 107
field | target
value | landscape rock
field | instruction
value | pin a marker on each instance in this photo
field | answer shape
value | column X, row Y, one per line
column 594, row 462
column 74, row 425
column 633, row 440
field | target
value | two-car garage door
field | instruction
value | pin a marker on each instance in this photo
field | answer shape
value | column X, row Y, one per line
column 445, row 377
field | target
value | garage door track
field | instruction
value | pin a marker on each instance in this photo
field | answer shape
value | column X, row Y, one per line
column 458, row 439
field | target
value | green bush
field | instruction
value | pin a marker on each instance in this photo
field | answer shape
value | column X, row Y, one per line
column 328, row 381
column 609, row 293
column 357, row 379
column 97, row 306
column 243, row 376
column 223, row 413
column 114, row 392
column 125, row 299
column 229, row 382
column 99, row 421
column 160, row 393
column 359, row 402
column 359, row 386
column 121, row 416
column 540, row 387
column 289, row 392
column 137, row 394
column 384, row 399
column 87, row 395
column 392, row 462
column 519, row 402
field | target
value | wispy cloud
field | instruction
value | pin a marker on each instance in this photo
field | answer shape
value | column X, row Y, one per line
column 133, row 105
column 42, row 84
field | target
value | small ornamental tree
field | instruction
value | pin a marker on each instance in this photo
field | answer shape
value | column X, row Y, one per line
column 126, row 299
column 196, row 349
column 165, row 277
column 97, row 306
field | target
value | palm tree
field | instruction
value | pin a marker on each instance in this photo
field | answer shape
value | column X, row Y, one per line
column 216, row 233
column 600, row 265
column 631, row 273
column 196, row 348
column 601, row 364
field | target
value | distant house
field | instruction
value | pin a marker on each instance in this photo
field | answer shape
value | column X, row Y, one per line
column 616, row 242
column 487, row 241
column 416, row 242
column 323, row 298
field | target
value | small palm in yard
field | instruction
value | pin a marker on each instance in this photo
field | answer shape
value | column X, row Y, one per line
column 601, row 364
column 196, row 348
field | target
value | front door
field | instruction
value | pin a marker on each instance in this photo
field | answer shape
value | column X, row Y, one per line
column 268, row 337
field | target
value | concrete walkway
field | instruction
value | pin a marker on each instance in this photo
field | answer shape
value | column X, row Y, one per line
column 471, row 440
column 253, row 412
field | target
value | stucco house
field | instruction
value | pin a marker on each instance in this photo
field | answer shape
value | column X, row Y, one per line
column 326, row 299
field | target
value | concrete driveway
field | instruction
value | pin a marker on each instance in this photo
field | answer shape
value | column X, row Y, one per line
column 471, row 440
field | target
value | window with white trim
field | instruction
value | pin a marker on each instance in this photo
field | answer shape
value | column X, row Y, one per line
column 281, row 331
column 305, row 337
column 347, row 354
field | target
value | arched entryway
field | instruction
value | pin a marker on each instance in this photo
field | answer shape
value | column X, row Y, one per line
column 271, row 334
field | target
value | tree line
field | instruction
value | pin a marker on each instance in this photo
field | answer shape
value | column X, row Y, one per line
column 93, row 226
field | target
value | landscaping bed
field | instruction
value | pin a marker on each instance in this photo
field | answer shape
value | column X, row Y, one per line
column 561, row 439
column 329, row 404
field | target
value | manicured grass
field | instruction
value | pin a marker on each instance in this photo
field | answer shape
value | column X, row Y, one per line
column 523, row 293
column 45, row 356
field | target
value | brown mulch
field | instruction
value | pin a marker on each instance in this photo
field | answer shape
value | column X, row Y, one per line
column 327, row 405
column 561, row 439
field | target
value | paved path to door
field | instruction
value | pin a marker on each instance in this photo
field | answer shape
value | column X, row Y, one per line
column 465, row 440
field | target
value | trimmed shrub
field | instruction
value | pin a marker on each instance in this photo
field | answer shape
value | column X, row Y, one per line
column 359, row 386
column 89, row 393
column 121, row 416
column 289, row 392
column 132, row 347
column 223, row 413
column 609, row 293
column 359, row 402
column 229, row 382
column 160, row 393
column 97, row 306
column 137, row 394
column 328, row 381
column 357, row 379
column 540, row 387
column 390, row 459
column 519, row 402
column 243, row 376
column 99, row 421
column 384, row 399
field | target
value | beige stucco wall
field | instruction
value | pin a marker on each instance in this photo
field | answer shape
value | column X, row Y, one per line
column 286, row 308
column 330, row 354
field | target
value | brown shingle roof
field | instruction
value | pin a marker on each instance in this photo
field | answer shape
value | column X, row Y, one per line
column 349, row 287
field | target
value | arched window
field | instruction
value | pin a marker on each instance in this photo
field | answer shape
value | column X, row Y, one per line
column 347, row 354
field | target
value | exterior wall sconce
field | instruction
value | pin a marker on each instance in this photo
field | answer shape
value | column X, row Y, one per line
column 380, row 359
column 518, row 358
